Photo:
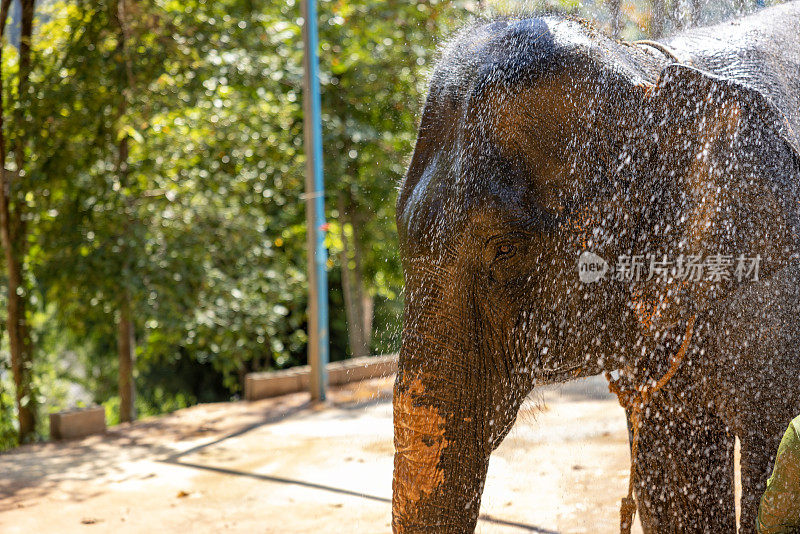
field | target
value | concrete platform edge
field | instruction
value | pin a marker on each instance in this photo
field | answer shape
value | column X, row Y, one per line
column 274, row 383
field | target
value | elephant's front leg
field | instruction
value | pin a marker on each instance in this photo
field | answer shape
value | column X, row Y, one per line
column 684, row 471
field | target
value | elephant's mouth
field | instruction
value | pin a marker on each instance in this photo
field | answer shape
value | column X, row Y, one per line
column 560, row 374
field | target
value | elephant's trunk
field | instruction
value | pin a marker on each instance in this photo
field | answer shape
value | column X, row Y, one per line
column 440, row 461
column 441, row 407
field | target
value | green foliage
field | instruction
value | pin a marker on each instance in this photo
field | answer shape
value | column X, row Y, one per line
column 203, row 229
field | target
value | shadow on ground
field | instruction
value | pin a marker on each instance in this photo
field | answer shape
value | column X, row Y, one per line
column 284, row 465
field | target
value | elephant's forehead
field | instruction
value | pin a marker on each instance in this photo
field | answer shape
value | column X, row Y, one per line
column 546, row 130
column 526, row 145
column 518, row 149
column 455, row 198
column 502, row 124
column 540, row 118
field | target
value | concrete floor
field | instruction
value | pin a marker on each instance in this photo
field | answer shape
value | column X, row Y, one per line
column 282, row 466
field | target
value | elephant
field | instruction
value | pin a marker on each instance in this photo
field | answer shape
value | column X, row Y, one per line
column 544, row 143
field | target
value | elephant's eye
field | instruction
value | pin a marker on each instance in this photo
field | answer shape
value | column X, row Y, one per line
column 505, row 250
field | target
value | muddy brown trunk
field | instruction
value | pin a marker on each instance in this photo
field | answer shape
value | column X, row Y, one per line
column 440, row 462
column 440, row 436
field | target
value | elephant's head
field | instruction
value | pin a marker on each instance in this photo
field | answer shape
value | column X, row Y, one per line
column 540, row 140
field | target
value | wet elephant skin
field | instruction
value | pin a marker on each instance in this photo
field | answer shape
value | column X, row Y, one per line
column 542, row 140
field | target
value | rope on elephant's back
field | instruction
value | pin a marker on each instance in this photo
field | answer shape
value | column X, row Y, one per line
column 635, row 402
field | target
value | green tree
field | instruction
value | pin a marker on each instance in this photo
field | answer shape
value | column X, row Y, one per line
column 373, row 61
column 165, row 172
column 15, row 193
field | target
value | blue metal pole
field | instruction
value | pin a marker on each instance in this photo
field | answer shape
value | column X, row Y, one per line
column 318, row 344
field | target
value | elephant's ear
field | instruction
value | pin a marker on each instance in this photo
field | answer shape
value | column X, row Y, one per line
column 722, row 189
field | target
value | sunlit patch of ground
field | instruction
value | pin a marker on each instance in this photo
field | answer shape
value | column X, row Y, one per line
column 282, row 466
column 565, row 465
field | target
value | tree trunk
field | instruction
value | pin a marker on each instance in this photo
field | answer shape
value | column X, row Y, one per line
column 125, row 348
column 365, row 301
column 13, row 235
column 18, row 336
column 658, row 17
column 697, row 12
column 125, row 332
column 352, row 296
column 615, row 9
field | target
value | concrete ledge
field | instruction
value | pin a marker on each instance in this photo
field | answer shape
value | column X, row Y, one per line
column 275, row 383
column 77, row 423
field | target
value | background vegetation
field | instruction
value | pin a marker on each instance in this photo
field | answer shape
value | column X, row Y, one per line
column 151, row 187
